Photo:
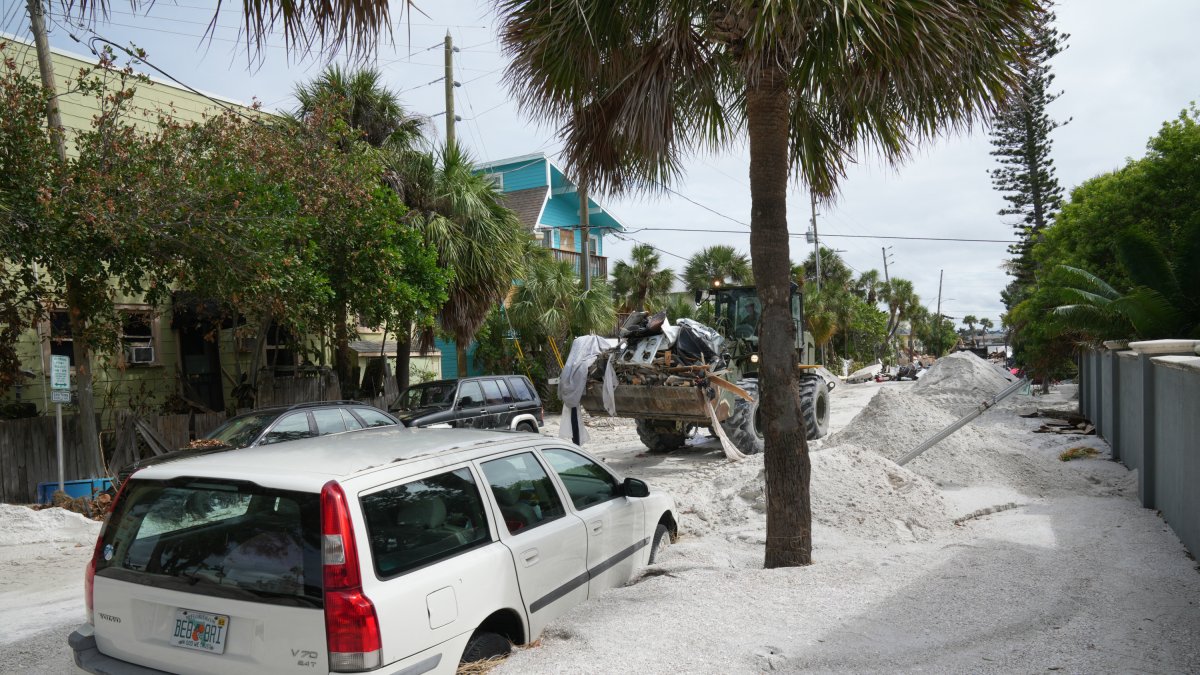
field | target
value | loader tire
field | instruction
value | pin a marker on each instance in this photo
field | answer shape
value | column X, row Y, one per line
column 814, row 406
column 744, row 425
column 661, row 435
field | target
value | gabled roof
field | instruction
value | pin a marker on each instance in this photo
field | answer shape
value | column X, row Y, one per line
column 543, row 195
column 527, row 204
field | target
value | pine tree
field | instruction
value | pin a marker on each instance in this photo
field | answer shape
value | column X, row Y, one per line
column 1021, row 138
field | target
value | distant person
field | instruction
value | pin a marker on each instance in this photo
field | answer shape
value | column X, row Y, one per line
column 750, row 316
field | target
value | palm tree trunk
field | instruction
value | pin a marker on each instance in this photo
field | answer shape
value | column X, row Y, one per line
column 460, row 350
column 789, row 516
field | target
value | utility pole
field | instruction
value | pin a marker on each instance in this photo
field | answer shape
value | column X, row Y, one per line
column 886, row 280
column 937, row 327
column 37, row 24
column 812, row 196
column 585, row 267
column 449, row 77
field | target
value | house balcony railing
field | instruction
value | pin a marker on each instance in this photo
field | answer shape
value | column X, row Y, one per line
column 599, row 264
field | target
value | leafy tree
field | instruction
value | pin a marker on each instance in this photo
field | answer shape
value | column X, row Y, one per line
column 373, row 114
column 715, row 264
column 636, row 85
column 1021, row 138
column 640, row 284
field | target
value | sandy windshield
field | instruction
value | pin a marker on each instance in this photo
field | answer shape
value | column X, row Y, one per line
column 240, row 432
column 234, row 540
column 431, row 395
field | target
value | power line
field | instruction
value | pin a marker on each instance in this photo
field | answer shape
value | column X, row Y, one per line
column 851, row 236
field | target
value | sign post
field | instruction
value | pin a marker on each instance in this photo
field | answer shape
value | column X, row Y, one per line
column 60, row 392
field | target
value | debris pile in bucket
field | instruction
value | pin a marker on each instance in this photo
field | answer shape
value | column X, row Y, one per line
column 653, row 352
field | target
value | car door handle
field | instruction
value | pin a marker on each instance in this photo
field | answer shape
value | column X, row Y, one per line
column 512, row 407
column 596, row 526
column 531, row 557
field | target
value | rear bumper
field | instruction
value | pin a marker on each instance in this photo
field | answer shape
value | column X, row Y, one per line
column 89, row 658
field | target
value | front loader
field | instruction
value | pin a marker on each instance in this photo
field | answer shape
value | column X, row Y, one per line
column 671, row 386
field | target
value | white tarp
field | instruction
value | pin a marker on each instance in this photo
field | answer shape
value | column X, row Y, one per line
column 572, row 384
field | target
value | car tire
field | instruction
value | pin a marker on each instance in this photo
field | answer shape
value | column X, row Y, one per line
column 527, row 426
column 484, row 645
column 660, row 435
column 743, row 426
column 814, row 406
column 662, row 542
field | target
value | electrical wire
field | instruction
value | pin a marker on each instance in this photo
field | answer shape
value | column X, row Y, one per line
column 850, row 236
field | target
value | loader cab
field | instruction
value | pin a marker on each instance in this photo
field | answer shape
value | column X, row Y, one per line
column 738, row 312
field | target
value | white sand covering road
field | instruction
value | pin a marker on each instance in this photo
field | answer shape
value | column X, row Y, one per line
column 1076, row 577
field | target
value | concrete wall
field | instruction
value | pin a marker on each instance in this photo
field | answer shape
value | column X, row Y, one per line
column 1148, row 409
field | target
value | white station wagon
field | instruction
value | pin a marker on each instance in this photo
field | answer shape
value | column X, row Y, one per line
column 398, row 550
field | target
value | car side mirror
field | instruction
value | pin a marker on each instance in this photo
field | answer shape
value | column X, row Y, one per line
column 637, row 488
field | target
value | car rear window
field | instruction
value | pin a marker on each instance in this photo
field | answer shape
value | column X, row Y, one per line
column 226, row 539
column 519, row 389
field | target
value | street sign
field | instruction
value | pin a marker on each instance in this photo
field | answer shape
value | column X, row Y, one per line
column 60, row 372
column 58, row 396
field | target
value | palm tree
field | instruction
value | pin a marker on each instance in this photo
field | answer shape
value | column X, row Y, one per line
column 639, row 283
column 716, row 265
column 551, row 302
column 636, row 85
column 361, row 99
column 985, row 324
column 899, row 296
column 969, row 321
column 867, row 286
column 462, row 215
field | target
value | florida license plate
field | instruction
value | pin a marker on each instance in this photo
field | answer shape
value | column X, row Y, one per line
column 200, row 630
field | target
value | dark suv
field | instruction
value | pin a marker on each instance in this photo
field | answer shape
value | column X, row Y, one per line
column 277, row 424
column 487, row 402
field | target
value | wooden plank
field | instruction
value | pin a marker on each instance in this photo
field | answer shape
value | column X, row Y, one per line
column 730, row 387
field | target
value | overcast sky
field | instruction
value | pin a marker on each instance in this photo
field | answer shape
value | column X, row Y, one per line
column 1129, row 67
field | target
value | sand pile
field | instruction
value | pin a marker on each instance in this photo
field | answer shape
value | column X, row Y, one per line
column 23, row 525
column 896, row 421
column 856, row 492
column 960, row 382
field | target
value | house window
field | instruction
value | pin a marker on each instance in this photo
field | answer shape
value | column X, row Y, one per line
column 496, row 179
column 61, row 343
column 594, row 245
column 280, row 346
column 137, row 338
column 548, row 238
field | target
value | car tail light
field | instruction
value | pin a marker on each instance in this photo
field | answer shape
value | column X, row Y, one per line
column 89, row 574
column 351, row 626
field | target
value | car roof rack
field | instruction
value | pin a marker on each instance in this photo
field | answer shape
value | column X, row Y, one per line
column 314, row 404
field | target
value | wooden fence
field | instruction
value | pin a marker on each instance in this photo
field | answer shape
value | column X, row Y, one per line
column 27, row 448
column 28, row 455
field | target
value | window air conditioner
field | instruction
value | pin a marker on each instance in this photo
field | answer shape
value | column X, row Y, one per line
column 139, row 354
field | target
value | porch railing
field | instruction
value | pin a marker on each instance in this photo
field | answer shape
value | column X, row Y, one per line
column 599, row 263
